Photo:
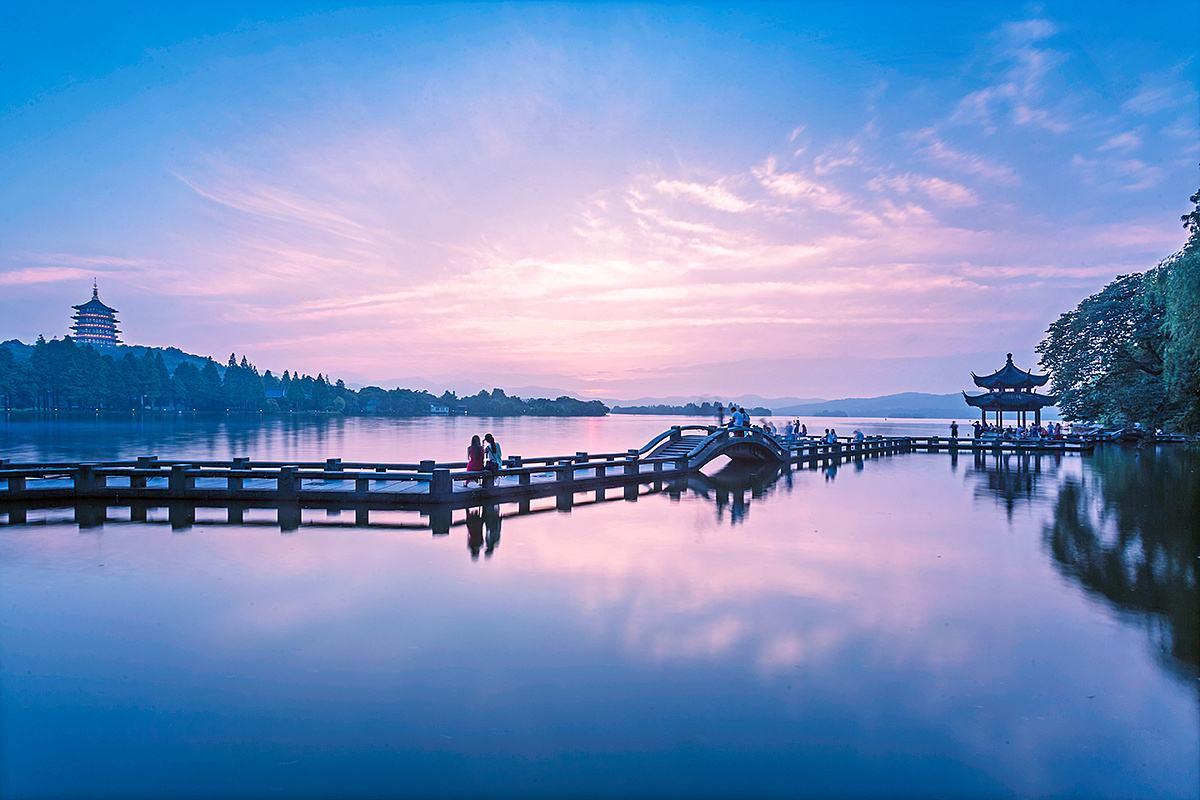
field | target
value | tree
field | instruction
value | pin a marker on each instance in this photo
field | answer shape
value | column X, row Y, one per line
column 1105, row 357
column 1131, row 352
column 1180, row 288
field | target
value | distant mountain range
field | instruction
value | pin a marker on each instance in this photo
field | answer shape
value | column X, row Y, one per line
column 904, row 404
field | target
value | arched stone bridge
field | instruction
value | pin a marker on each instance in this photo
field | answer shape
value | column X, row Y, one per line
column 700, row 444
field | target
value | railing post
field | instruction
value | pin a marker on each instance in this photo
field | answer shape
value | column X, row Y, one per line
column 634, row 466
column 241, row 462
column 143, row 462
column 362, row 486
column 85, row 478
column 676, row 433
column 333, row 465
column 441, row 488
column 681, row 464
column 581, row 457
column 233, row 483
column 16, row 484
column 179, row 481
column 287, row 484
column 565, row 472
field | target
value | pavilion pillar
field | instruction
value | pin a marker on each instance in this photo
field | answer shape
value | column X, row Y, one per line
column 1037, row 417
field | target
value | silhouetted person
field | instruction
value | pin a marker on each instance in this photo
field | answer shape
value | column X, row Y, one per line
column 954, row 429
column 474, row 532
column 491, row 521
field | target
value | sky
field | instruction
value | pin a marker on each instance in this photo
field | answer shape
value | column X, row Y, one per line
column 619, row 201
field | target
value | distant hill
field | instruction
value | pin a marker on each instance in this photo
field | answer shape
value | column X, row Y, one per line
column 904, row 404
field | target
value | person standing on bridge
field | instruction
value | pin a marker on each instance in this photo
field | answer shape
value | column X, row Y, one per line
column 492, row 456
column 954, row 429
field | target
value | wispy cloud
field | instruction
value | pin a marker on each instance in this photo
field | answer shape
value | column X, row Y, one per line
column 712, row 195
column 1125, row 141
column 939, row 189
column 30, row 275
column 1018, row 96
column 937, row 150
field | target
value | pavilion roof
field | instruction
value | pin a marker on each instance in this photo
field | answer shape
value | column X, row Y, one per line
column 1010, row 401
column 1009, row 376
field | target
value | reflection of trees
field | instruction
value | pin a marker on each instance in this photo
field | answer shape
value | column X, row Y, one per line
column 1129, row 532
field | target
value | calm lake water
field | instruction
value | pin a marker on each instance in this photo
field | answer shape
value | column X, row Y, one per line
column 915, row 624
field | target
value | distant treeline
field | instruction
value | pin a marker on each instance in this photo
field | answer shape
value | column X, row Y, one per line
column 704, row 409
column 60, row 375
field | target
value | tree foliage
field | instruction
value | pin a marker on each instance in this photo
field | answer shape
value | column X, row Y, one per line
column 61, row 375
column 1131, row 352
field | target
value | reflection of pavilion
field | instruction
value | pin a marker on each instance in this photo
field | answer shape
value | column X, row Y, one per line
column 1009, row 478
column 1010, row 388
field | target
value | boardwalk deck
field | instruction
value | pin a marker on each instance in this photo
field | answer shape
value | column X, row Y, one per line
column 678, row 451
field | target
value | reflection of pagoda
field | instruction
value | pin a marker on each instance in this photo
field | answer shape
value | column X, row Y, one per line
column 95, row 323
column 1010, row 389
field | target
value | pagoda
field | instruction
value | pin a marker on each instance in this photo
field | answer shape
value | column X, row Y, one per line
column 1010, row 388
column 95, row 323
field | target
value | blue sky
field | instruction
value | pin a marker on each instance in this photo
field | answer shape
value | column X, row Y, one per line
column 615, row 200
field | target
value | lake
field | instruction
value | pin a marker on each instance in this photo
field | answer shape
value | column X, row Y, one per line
column 914, row 624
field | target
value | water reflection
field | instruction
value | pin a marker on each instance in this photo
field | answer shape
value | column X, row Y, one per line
column 903, row 628
column 1124, row 524
column 1128, row 531
column 1011, row 479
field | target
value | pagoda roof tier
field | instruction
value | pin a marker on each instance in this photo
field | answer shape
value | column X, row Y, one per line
column 94, row 306
column 1009, row 376
column 1010, row 401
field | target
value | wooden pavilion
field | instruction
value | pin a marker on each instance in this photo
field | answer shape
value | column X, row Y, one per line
column 1010, row 388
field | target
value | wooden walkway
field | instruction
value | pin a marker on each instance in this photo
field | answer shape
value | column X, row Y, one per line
column 678, row 451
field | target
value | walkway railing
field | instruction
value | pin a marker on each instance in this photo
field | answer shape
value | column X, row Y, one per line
column 430, row 482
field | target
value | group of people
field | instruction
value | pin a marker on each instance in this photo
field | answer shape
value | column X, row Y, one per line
column 739, row 417
column 484, row 455
column 981, row 430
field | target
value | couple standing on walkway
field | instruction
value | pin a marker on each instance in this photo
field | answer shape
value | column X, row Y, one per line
column 485, row 455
